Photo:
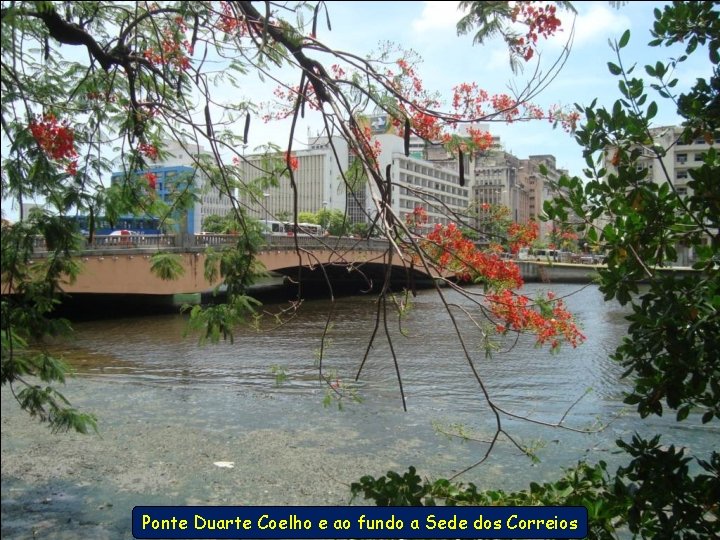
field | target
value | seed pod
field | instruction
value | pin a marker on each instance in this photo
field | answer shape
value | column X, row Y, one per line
column 315, row 17
column 462, row 168
column 247, row 128
column 407, row 137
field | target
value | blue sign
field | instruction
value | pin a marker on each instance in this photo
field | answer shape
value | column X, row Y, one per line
column 359, row 522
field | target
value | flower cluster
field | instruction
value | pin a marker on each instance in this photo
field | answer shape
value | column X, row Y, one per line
column 292, row 161
column 568, row 120
column 151, row 179
column 230, row 23
column 56, row 139
column 562, row 235
column 417, row 218
column 451, row 251
column 541, row 22
column 288, row 96
column 148, row 150
column 369, row 148
column 547, row 318
column 521, row 235
column 173, row 51
column 482, row 140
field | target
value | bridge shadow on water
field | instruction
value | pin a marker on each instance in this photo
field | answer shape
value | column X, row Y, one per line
column 309, row 284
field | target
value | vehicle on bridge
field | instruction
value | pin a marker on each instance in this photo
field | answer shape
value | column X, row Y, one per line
column 143, row 225
column 286, row 228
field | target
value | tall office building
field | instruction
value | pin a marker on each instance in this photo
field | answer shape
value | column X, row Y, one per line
column 498, row 182
column 540, row 187
column 417, row 182
column 318, row 176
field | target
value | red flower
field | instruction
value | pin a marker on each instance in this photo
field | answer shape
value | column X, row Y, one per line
column 148, row 150
column 151, row 179
column 56, row 139
column 292, row 162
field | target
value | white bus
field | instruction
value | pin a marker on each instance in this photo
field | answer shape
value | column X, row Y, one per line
column 287, row 228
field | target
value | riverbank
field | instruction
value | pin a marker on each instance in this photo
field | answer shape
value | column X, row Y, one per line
column 69, row 486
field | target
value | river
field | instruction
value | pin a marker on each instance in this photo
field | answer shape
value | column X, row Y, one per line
column 169, row 409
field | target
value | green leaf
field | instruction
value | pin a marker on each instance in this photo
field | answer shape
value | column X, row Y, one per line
column 651, row 111
column 624, row 39
column 167, row 266
column 614, row 68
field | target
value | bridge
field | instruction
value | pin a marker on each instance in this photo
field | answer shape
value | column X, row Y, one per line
column 121, row 264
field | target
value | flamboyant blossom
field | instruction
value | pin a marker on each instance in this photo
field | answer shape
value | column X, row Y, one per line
column 148, row 150
column 292, row 161
column 416, row 219
column 151, row 180
column 547, row 318
column 56, row 139
column 522, row 235
column 450, row 252
column 173, row 51
column 541, row 21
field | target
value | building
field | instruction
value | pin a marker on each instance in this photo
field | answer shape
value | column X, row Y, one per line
column 318, row 176
column 541, row 186
column 680, row 157
column 417, row 182
column 178, row 174
column 498, row 182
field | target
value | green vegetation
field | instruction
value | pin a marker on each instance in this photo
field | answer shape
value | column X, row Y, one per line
column 672, row 352
column 141, row 81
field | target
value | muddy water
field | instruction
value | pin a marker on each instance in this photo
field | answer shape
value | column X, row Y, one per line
column 169, row 410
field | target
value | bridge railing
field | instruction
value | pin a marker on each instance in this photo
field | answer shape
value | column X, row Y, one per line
column 102, row 242
column 130, row 241
column 325, row 242
column 200, row 241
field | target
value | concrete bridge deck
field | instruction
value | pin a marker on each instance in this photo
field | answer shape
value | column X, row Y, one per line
column 122, row 264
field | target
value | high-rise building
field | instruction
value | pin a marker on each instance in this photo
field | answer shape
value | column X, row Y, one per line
column 421, row 183
column 540, row 186
column 318, row 175
column 680, row 156
column 179, row 172
column 416, row 182
column 498, row 182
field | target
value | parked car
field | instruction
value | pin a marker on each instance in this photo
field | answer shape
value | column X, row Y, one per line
column 123, row 237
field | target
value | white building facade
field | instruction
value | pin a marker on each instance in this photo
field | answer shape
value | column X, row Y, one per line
column 416, row 182
column 318, row 176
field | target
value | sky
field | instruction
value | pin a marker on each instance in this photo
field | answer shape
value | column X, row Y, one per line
column 428, row 28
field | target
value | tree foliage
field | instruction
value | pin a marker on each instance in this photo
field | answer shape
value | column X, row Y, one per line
column 671, row 354
column 98, row 87
column 93, row 88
